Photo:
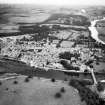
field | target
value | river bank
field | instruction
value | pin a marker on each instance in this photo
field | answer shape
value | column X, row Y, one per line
column 9, row 66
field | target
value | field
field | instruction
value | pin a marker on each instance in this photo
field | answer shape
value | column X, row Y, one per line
column 37, row 91
column 78, row 20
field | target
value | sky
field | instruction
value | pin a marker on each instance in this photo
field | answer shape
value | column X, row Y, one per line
column 56, row 2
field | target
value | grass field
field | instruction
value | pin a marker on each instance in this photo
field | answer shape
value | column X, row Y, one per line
column 37, row 91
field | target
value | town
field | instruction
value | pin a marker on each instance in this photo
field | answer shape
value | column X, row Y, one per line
column 56, row 46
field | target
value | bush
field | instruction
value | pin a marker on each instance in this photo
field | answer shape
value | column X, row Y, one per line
column 97, row 63
column 26, row 79
column 68, row 55
column 100, row 87
column 91, row 66
column 30, row 76
column 62, row 90
column 65, row 79
column 0, row 83
column 15, row 82
column 58, row 95
column 68, row 66
column 65, row 55
column 53, row 80
column 89, row 62
column 7, row 89
column 74, row 83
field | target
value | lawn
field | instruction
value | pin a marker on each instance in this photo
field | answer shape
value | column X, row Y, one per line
column 37, row 91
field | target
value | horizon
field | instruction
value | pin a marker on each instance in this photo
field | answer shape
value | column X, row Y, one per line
column 57, row 2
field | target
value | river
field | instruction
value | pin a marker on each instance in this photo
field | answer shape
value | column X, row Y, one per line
column 94, row 32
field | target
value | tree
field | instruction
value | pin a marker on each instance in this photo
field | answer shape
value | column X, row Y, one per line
column 100, row 87
column 66, row 55
column 86, row 94
column 15, row 82
column 58, row 95
column 68, row 66
column 0, row 83
column 26, row 79
column 53, row 79
column 62, row 90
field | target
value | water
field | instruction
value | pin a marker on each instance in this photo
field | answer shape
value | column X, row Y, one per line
column 94, row 32
column 14, row 16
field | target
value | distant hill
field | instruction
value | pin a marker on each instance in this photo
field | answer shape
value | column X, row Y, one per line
column 78, row 20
